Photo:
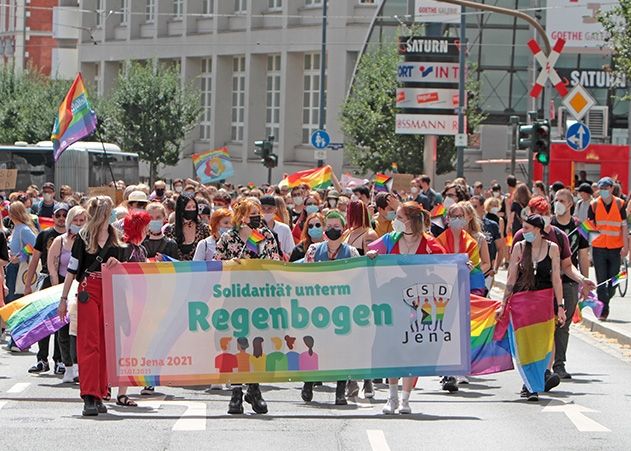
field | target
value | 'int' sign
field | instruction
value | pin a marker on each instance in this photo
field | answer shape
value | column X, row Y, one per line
column 548, row 71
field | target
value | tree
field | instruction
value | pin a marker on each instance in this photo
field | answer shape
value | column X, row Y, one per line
column 617, row 21
column 149, row 112
column 368, row 119
column 29, row 105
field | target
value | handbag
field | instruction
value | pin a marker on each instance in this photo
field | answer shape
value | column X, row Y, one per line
column 20, row 281
column 83, row 296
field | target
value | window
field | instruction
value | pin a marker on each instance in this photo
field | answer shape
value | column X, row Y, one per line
column 311, row 96
column 150, row 11
column 124, row 12
column 313, row 2
column 366, row 2
column 208, row 7
column 178, row 9
column 272, row 114
column 238, row 97
column 240, row 6
column 99, row 12
column 206, row 88
column 275, row 5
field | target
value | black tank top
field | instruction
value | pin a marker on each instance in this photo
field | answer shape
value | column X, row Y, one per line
column 543, row 274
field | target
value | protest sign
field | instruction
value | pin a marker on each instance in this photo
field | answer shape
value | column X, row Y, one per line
column 194, row 323
column 401, row 182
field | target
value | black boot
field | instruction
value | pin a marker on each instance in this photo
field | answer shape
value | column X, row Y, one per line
column 89, row 406
column 254, row 397
column 235, row 407
column 307, row 392
column 340, row 399
column 100, row 406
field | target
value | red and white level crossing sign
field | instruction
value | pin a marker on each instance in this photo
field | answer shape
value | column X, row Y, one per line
column 547, row 63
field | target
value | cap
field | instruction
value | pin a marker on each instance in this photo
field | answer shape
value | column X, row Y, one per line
column 585, row 188
column 333, row 195
column 138, row 196
column 268, row 200
column 605, row 182
column 60, row 206
column 558, row 186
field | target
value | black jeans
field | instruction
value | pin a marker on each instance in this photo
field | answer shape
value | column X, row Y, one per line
column 607, row 265
column 562, row 333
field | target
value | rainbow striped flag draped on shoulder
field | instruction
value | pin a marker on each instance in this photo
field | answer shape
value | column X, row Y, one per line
column 75, row 119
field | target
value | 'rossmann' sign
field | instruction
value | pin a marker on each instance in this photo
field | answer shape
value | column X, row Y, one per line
column 426, row 124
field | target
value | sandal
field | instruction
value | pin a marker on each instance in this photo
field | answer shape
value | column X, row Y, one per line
column 108, row 397
column 123, row 400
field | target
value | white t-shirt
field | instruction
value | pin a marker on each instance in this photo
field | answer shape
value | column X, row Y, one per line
column 285, row 238
column 205, row 250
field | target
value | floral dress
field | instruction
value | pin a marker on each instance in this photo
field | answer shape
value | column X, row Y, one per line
column 230, row 246
column 187, row 251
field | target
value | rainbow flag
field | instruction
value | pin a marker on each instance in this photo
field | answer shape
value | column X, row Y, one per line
column 586, row 227
column 27, row 250
column 487, row 354
column 385, row 244
column 592, row 302
column 45, row 223
column 254, row 240
column 529, row 322
column 317, row 178
column 251, row 185
column 438, row 211
column 381, row 183
column 615, row 280
column 213, row 165
column 75, row 118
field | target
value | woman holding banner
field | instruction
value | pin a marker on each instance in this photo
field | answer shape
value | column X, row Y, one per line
column 534, row 292
column 313, row 232
column 249, row 240
column 409, row 237
column 332, row 248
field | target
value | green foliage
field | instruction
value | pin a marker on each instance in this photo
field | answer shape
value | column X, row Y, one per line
column 617, row 23
column 29, row 105
column 368, row 119
column 149, row 113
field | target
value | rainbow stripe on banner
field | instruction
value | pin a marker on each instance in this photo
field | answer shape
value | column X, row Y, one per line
column 529, row 319
column 380, row 182
column 254, row 240
column 213, row 165
column 75, row 118
column 488, row 355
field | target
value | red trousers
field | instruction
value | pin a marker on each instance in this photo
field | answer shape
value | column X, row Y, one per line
column 91, row 339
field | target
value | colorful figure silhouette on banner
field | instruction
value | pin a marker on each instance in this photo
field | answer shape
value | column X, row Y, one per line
column 277, row 360
column 440, row 312
column 257, row 360
column 225, row 362
column 308, row 359
column 293, row 358
column 243, row 358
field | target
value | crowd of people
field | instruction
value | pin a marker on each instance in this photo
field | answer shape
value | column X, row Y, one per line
column 190, row 221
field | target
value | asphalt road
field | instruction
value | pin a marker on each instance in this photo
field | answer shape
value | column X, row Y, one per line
column 590, row 412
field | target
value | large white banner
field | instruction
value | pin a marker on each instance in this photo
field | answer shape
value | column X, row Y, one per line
column 575, row 22
column 434, row 11
column 207, row 322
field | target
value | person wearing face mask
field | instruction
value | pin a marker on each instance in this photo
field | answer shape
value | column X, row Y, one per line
column 417, row 196
column 387, row 204
column 232, row 246
column 310, row 206
column 298, row 199
column 521, row 197
column 159, row 190
column 409, row 237
column 178, row 186
column 359, row 233
column 156, row 243
column 539, row 189
column 362, row 193
column 45, row 208
column 58, row 258
column 491, row 231
column 313, row 232
column 534, row 284
column 610, row 245
column 188, row 230
column 492, row 207
column 585, row 194
column 425, row 183
column 332, row 199
column 332, row 248
column 220, row 223
column 579, row 247
column 282, row 231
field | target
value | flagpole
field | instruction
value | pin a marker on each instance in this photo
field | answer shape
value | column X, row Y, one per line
column 107, row 161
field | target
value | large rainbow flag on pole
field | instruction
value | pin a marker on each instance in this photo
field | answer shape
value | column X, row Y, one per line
column 317, row 178
column 488, row 355
column 213, row 165
column 75, row 119
column 529, row 320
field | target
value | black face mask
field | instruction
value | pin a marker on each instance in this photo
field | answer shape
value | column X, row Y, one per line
column 255, row 222
column 333, row 234
column 190, row 215
column 160, row 192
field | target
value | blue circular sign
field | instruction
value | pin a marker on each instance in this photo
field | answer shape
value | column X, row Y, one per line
column 320, row 139
column 578, row 136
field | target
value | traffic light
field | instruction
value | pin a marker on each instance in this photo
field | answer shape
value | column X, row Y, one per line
column 541, row 141
column 264, row 149
column 524, row 140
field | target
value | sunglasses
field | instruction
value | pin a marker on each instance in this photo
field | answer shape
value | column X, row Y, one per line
column 317, row 224
column 60, row 215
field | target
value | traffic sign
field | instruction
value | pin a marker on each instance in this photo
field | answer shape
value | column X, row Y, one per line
column 319, row 155
column 578, row 136
column 547, row 63
column 578, row 102
column 461, row 140
column 320, row 139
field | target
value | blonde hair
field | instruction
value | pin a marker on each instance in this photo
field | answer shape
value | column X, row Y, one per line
column 18, row 213
column 99, row 211
column 157, row 206
column 73, row 213
column 473, row 225
column 281, row 210
column 492, row 202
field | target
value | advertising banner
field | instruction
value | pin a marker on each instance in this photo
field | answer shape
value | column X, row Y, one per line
column 410, row 71
column 199, row 323
column 575, row 22
column 443, row 47
column 427, row 11
column 427, row 98
column 426, row 124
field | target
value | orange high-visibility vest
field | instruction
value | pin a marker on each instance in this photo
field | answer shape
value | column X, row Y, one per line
column 609, row 224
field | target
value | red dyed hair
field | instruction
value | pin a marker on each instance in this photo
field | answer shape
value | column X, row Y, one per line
column 134, row 226
column 357, row 215
column 539, row 205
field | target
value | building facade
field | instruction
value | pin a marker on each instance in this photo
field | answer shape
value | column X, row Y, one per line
column 40, row 34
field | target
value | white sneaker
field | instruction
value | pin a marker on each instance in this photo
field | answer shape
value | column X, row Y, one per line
column 405, row 406
column 463, row 380
column 68, row 375
column 391, row 406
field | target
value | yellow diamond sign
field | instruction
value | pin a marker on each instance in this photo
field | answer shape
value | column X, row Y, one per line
column 578, row 102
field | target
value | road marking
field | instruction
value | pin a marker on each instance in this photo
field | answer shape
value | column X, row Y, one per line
column 19, row 387
column 377, row 440
column 193, row 419
column 575, row 414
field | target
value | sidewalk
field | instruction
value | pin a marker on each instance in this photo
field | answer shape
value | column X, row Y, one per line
column 617, row 327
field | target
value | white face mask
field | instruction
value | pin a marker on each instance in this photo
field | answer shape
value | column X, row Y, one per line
column 354, row 198
column 268, row 216
column 448, row 202
column 495, row 210
column 414, row 190
column 178, row 189
column 496, row 194
column 547, row 220
column 298, row 201
column 48, row 197
column 398, row 226
column 559, row 208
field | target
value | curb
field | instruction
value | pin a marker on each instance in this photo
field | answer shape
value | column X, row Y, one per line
column 593, row 325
